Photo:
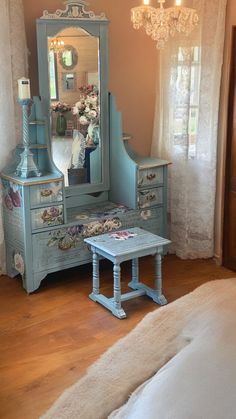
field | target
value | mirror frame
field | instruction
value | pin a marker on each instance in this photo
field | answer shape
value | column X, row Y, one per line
column 50, row 25
column 74, row 57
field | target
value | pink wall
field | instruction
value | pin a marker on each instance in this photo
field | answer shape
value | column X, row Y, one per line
column 132, row 64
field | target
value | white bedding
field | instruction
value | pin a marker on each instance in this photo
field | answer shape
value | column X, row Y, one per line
column 179, row 363
column 198, row 383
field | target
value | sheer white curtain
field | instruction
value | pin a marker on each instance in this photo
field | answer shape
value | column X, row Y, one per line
column 13, row 65
column 185, row 128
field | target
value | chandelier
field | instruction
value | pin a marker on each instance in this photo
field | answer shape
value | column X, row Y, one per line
column 56, row 45
column 161, row 23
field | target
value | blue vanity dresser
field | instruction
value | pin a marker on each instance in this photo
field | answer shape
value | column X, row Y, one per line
column 45, row 217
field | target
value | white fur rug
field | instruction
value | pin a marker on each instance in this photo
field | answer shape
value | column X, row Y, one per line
column 159, row 338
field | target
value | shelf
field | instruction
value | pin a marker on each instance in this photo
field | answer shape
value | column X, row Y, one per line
column 34, row 146
column 126, row 137
column 37, row 122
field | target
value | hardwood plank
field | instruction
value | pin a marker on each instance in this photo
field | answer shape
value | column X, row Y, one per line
column 49, row 338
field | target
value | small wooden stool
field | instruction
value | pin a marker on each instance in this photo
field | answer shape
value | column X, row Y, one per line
column 119, row 247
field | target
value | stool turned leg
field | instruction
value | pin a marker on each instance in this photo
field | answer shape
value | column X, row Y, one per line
column 96, row 282
column 117, row 309
column 135, row 274
column 159, row 298
column 135, row 271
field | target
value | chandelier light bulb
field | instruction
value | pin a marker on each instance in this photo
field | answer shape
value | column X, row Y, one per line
column 56, row 44
column 162, row 23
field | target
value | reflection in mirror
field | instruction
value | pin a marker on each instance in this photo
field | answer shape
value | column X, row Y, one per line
column 68, row 57
column 75, row 117
column 53, row 75
column 69, row 81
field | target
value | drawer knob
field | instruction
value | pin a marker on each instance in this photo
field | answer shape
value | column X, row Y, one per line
column 151, row 176
column 46, row 192
column 151, row 197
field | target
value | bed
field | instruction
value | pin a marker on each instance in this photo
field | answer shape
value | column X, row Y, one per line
column 178, row 363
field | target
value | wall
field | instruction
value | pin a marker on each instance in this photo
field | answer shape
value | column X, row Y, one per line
column 230, row 21
column 132, row 64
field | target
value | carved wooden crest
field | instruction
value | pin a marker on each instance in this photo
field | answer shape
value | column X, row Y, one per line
column 75, row 9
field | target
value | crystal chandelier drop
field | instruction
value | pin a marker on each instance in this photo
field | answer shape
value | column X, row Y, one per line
column 56, row 45
column 161, row 23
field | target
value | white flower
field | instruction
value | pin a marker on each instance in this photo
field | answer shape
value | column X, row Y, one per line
column 19, row 263
column 75, row 110
column 83, row 120
column 93, row 100
column 92, row 113
column 146, row 214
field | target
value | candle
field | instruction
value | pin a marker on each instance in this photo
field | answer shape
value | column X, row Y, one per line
column 24, row 88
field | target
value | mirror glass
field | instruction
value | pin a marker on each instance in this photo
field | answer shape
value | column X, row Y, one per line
column 68, row 56
column 74, row 84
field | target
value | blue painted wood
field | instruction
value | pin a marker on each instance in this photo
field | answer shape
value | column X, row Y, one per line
column 123, row 169
column 95, row 273
column 49, row 248
column 134, row 243
column 135, row 270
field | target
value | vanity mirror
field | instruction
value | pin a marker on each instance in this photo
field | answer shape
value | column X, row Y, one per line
column 72, row 59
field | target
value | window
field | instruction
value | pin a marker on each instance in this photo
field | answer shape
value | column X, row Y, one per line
column 185, row 80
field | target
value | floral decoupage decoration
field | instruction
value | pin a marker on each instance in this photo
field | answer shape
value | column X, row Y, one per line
column 52, row 215
column 68, row 238
column 122, row 235
column 19, row 264
column 12, row 195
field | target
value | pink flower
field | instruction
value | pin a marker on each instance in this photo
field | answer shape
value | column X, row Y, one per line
column 8, row 202
column 15, row 197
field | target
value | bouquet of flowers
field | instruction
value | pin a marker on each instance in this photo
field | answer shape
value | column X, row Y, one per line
column 87, row 108
column 60, row 107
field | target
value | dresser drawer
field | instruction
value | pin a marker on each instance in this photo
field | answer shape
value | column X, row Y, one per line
column 47, row 216
column 46, row 193
column 152, row 176
column 150, row 197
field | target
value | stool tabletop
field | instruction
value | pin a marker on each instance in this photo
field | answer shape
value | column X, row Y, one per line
column 125, row 241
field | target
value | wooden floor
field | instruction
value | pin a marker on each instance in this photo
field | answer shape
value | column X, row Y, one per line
column 50, row 337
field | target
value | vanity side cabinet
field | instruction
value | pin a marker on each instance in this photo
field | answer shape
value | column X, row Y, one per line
column 31, row 204
column 137, row 182
column 28, row 207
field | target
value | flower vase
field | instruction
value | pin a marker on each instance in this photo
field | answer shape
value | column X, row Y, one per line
column 61, row 125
